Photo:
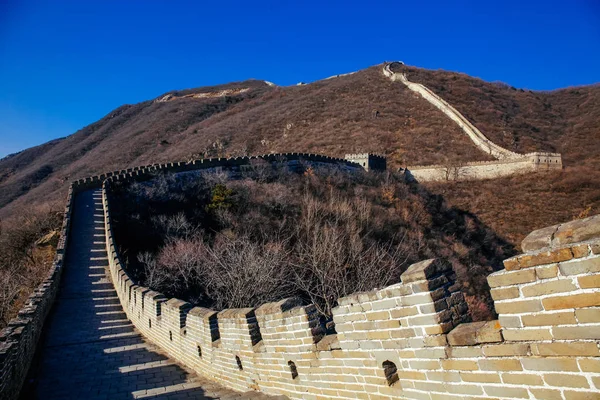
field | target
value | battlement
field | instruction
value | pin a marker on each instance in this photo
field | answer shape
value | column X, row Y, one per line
column 409, row 340
column 370, row 162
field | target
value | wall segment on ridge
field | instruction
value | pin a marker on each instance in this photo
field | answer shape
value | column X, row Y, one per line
column 410, row 340
column 509, row 163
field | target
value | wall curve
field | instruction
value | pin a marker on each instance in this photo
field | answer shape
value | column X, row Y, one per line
column 410, row 340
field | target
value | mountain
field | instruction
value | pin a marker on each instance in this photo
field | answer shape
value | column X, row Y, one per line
column 358, row 112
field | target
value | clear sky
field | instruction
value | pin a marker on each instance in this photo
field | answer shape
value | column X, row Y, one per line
column 65, row 64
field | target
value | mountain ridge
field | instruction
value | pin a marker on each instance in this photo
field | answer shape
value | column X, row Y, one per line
column 358, row 112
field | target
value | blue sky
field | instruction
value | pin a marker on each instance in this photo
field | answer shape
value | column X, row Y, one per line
column 65, row 64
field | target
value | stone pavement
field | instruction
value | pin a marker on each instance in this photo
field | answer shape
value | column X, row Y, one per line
column 90, row 349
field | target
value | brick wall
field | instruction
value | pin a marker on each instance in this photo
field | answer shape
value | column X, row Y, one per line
column 527, row 163
column 410, row 340
column 19, row 339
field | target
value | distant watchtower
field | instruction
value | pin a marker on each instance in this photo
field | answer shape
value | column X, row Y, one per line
column 370, row 162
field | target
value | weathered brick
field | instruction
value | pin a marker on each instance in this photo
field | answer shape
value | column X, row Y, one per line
column 506, row 349
column 580, row 266
column 502, row 364
column 549, row 364
column 545, row 257
column 474, row 333
column 580, row 250
column 505, row 293
column 435, row 340
column 424, row 270
column 505, row 391
column 510, row 321
column 556, row 286
column 573, row 395
column 480, row 377
column 572, row 301
column 576, row 332
column 459, row 365
column 566, row 380
column 546, row 272
column 578, row 230
column 508, row 278
column 546, row 394
column 538, row 239
column 518, row 306
column 588, row 315
column 589, row 364
column 589, row 281
column 544, row 319
column 511, row 264
column 523, row 379
column 565, row 349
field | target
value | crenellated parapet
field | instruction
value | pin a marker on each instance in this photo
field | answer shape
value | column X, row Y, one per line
column 410, row 340
column 19, row 339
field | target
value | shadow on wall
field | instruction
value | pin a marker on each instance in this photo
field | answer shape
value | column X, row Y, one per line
column 90, row 349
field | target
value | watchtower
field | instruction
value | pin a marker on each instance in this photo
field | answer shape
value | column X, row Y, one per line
column 370, row 162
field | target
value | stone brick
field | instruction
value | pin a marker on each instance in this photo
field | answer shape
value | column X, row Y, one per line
column 545, row 257
column 572, row 301
column 511, row 264
column 565, row 349
column 551, row 287
column 510, row 321
column 459, row 365
column 588, row 315
column 590, row 364
column 595, row 247
column 480, row 377
column 546, row 272
column 508, row 278
column 475, row 333
column 546, row 394
column 424, row 270
column 522, row 335
column 572, row 395
column 506, row 349
column 576, row 332
column 577, row 231
column 518, row 306
column 580, row 250
column 589, row 281
column 465, row 352
column 549, row 364
column 435, row 340
column 523, row 379
column 544, row 319
column 501, row 364
column 505, row 391
column 566, row 380
column 538, row 239
column 505, row 293
column 580, row 266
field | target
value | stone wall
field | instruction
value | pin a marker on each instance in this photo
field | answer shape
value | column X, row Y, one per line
column 18, row 341
column 531, row 162
column 478, row 138
column 410, row 340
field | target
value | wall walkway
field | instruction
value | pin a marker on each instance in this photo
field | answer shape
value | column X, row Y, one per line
column 91, row 349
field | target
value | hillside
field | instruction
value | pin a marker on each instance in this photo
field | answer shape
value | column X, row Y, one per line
column 363, row 111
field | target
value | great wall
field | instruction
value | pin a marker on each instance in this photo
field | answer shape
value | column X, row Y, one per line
column 508, row 162
column 107, row 336
column 410, row 340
